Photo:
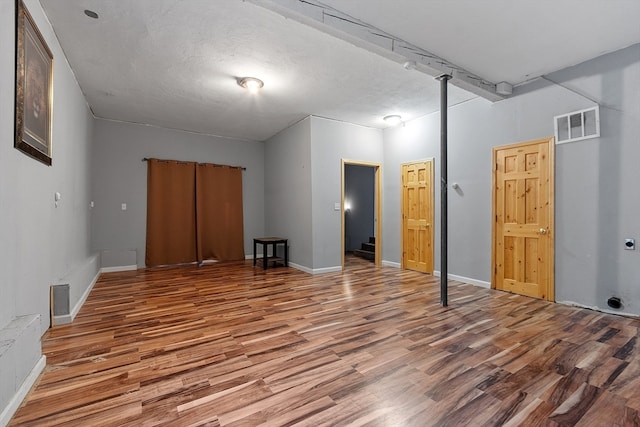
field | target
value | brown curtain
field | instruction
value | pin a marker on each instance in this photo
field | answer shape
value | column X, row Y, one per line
column 171, row 212
column 219, row 212
column 194, row 213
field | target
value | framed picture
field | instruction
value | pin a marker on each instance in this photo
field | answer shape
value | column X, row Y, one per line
column 34, row 88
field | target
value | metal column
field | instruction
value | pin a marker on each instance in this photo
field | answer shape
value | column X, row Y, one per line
column 443, row 190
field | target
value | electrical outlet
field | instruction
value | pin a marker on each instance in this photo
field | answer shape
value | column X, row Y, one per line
column 630, row 244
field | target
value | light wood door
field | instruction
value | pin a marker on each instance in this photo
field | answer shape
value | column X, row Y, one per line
column 523, row 218
column 417, row 216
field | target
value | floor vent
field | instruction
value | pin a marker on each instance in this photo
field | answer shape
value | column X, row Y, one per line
column 60, row 300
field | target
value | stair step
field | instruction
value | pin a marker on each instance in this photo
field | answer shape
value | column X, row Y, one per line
column 364, row 254
column 372, row 240
column 371, row 247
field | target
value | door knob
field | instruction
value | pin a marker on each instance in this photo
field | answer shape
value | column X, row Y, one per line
column 542, row 231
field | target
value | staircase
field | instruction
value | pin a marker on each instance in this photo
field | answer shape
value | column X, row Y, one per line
column 367, row 250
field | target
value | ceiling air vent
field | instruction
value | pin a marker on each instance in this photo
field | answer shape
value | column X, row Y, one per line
column 576, row 126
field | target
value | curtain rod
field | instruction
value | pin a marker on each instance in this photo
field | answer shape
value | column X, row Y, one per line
column 235, row 167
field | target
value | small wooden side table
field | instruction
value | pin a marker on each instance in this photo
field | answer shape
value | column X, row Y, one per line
column 274, row 242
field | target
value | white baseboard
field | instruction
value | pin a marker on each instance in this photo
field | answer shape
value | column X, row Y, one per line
column 118, row 268
column 300, row 267
column 84, row 297
column 310, row 270
column 335, row 269
column 22, row 392
column 463, row 279
column 602, row 310
column 391, row 264
column 303, row 268
column 315, row 270
column 68, row 318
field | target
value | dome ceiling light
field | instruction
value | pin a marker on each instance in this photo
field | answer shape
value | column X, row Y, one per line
column 393, row 119
column 252, row 84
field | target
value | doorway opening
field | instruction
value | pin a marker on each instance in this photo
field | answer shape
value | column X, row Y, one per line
column 361, row 208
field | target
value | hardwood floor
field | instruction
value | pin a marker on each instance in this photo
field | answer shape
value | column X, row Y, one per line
column 233, row 345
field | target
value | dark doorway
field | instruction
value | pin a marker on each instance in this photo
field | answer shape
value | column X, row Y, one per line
column 359, row 211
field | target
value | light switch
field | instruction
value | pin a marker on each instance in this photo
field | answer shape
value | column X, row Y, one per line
column 336, row 206
column 124, row 206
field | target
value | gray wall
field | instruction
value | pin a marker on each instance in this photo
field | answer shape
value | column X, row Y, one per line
column 40, row 244
column 359, row 192
column 287, row 190
column 120, row 176
column 599, row 189
column 331, row 142
column 303, row 167
column 597, row 196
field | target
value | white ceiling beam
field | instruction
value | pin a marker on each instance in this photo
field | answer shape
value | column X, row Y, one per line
column 361, row 34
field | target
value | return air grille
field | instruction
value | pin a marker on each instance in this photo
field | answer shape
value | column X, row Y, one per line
column 576, row 126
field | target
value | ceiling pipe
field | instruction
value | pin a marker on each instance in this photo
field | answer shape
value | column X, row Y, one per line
column 366, row 36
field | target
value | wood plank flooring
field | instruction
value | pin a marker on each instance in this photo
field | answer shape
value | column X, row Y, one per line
column 232, row 345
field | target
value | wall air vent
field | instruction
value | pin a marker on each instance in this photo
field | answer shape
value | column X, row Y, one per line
column 576, row 126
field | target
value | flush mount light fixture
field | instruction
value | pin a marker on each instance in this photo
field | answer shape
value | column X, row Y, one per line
column 252, row 84
column 91, row 14
column 393, row 119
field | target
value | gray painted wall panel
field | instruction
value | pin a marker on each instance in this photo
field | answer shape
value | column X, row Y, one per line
column 120, row 176
column 601, row 183
column 332, row 141
column 287, row 189
column 597, row 195
column 8, row 194
column 474, row 128
column 40, row 244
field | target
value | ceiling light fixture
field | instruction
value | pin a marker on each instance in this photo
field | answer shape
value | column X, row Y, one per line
column 393, row 120
column 91, row 14
column 252, row 84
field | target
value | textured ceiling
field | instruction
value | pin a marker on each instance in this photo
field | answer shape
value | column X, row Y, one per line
column 506, row 40
column 175, row 63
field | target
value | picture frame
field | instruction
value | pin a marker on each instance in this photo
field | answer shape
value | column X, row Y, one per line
column 33, row 89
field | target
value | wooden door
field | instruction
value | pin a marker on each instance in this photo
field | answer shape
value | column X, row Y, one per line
column 417, row 216
column 523, row 233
